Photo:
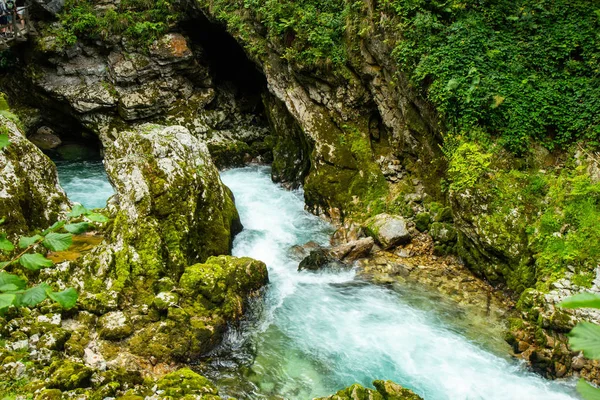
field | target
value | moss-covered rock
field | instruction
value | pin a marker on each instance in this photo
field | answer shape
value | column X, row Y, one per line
column 68, row 375
column 211, row 295
column 184, row 382
column 443, row 232
column 30, row 195
column 173, row 210
column 223, row 280
column 292, row 149
column 49, row 394
column 114, row 326
column 384, row 390
column 422, row 221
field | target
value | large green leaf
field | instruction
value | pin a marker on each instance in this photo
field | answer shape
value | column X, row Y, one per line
column 77, row 211
column 67, row 298
column 58, row 241
column 35, row 261
column 582, row 300
column 587, row 391
column 10, row 279
column 26, row 241
column 6, row 300
column 55, row 226
column 96, row 217
column 5, row 244
column 8, row 287
column 34, row 296
column 4, row 141
column 79, row 227
column 586, row 337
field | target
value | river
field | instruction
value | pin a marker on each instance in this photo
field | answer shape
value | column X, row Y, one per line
column 315, row 333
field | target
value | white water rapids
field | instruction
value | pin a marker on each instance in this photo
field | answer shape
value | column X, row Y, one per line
column 316, row 333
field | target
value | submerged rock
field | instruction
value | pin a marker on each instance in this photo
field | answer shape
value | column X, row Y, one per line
column 384, row 390
column 320, row 259
column 388, row 230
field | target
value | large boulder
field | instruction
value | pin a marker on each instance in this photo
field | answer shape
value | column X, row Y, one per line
column 172, row 210
column 213, row 294
column 30, row 195
column 388, row 230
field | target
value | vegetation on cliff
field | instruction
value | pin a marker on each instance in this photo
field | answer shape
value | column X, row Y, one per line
column 519, row 70
column 139, row 21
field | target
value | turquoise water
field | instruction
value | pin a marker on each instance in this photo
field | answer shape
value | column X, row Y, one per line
column 85, row 182
column 316, row 333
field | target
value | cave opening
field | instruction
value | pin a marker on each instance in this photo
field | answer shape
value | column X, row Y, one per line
column 225, row 56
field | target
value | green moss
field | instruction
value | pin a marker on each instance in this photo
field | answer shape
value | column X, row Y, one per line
column 584, row 280
column 468, row 164
column 68, row 375
column 422, row 221
column 49, row 394
column 185, row 382
column 384, row 390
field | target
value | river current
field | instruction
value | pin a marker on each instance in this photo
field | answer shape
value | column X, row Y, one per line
column 315, row 333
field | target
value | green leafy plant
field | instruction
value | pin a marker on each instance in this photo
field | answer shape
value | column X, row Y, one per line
column 585, row 337
column 3, row 140
column 141, row 22
column 26, row 254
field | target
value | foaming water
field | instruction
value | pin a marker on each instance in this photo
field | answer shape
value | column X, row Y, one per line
column 85, row 182
column 319, row 332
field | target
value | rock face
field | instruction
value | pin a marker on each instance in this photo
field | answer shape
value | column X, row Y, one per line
column 388, row 230
column 173, row 209
column 103, row 88
column 384, row 390
column 30, row 196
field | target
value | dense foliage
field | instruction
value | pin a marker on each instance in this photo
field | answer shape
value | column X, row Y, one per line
column 521, row 70
column 140, row 21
